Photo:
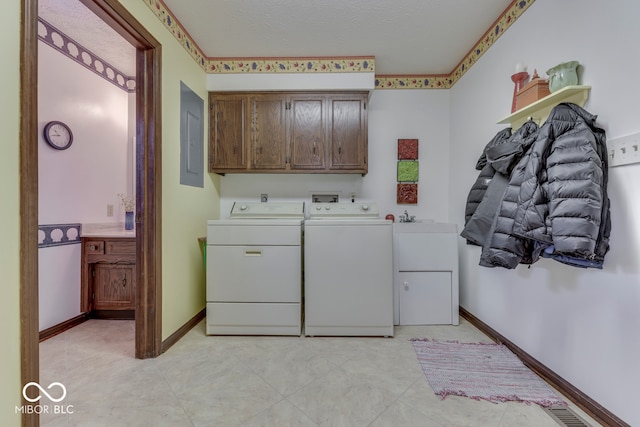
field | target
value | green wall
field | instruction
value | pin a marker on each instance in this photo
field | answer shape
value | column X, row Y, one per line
column 185, row 210
column 10, row 387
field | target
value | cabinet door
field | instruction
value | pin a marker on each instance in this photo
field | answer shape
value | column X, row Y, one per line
column 425, row 298
column 268, row 132
column 227, row 132
column 114, row 287
column 348, row 132
column 308, row 129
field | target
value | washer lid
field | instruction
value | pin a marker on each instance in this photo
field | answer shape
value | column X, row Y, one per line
column 343, row 210
column 267, row 210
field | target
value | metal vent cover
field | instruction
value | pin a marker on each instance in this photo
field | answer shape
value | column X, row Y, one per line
column 566, row 417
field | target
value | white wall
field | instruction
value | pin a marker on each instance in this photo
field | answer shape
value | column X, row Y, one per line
column 583, row 324
column 393, row 114
column 75, row 185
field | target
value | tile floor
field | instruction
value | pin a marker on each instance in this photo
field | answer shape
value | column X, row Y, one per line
column 261, row 381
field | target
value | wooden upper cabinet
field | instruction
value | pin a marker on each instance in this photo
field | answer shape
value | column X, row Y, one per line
column 308, row 132
column 268, row 132
column 287, row 132
column 348, row 132
column 227, row 127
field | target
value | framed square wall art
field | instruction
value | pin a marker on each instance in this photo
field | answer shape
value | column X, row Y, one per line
column 407, row 194
column 407, row 149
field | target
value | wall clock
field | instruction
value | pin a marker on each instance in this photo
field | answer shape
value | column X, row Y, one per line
column 58, row 135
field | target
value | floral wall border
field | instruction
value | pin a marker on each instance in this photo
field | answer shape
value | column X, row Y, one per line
column 339, row 64
column 358, row 64
column 64, row 44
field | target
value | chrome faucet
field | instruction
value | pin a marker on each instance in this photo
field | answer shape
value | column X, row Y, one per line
column 407, row 218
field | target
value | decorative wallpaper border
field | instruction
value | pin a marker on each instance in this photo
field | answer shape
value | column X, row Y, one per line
column 291, row 65
column 426, row 81
column 58, row 235
column 502, row 24
column 55, row 38
column 339, row 64
column 165, row 16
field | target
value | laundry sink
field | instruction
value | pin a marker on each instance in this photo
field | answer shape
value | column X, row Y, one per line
column 424, row 226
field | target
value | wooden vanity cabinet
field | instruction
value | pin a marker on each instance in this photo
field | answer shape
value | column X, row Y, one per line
column 288, row 132
column 108, row 274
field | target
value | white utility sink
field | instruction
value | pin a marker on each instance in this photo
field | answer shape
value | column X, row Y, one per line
column 423, row 226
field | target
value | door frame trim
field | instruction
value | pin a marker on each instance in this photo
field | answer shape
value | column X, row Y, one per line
column 148, row 335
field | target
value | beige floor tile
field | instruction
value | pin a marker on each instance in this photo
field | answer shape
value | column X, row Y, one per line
column 399, row 414
column 108, row 414
column 282, row 414
column 519, row 414
column 262, row 381
column 342, row 398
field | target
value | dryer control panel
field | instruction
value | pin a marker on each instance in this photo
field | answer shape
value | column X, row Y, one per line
column 343, row 210
column 268, row 210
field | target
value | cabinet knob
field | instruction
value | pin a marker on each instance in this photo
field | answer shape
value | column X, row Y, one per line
column 406, row 286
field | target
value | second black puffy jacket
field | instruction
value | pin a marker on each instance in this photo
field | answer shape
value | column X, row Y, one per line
column 556, row 204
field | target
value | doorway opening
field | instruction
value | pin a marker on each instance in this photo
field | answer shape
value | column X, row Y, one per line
column 148, row 184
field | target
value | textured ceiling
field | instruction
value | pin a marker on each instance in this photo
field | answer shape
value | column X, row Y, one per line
column 404, row 36
column 76, row 21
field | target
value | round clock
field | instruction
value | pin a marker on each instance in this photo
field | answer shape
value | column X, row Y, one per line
column 58, row 135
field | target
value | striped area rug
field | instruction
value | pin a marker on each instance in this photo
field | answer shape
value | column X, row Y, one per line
column 481, row 371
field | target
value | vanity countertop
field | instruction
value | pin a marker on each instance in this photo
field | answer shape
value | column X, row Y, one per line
column 106, row 229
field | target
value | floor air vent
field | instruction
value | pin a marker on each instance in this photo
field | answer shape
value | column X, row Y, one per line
column 566, row 417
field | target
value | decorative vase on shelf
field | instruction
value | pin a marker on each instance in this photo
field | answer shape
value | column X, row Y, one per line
column 518, row 79
column 128, row 220
column 562, row 75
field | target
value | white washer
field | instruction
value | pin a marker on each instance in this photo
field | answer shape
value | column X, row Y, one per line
column 254, row 270
column 348, row 271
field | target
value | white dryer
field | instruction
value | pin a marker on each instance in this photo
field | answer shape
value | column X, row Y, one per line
column 254, row 270
column 348, row 271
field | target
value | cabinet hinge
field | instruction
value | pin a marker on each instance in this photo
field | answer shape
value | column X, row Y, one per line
column 365, row 105
column 93, row 272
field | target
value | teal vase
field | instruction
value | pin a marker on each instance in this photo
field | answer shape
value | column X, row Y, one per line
column 563, row 75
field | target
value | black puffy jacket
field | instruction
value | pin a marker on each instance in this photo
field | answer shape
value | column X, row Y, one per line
column 563, row 205
column 502, row 248
column 499, row 158
column 483, row 180
column 556, row 204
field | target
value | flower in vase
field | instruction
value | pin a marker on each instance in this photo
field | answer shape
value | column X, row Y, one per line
column 128, row 204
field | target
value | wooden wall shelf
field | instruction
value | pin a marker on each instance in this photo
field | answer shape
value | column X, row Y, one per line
column 539, row 110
